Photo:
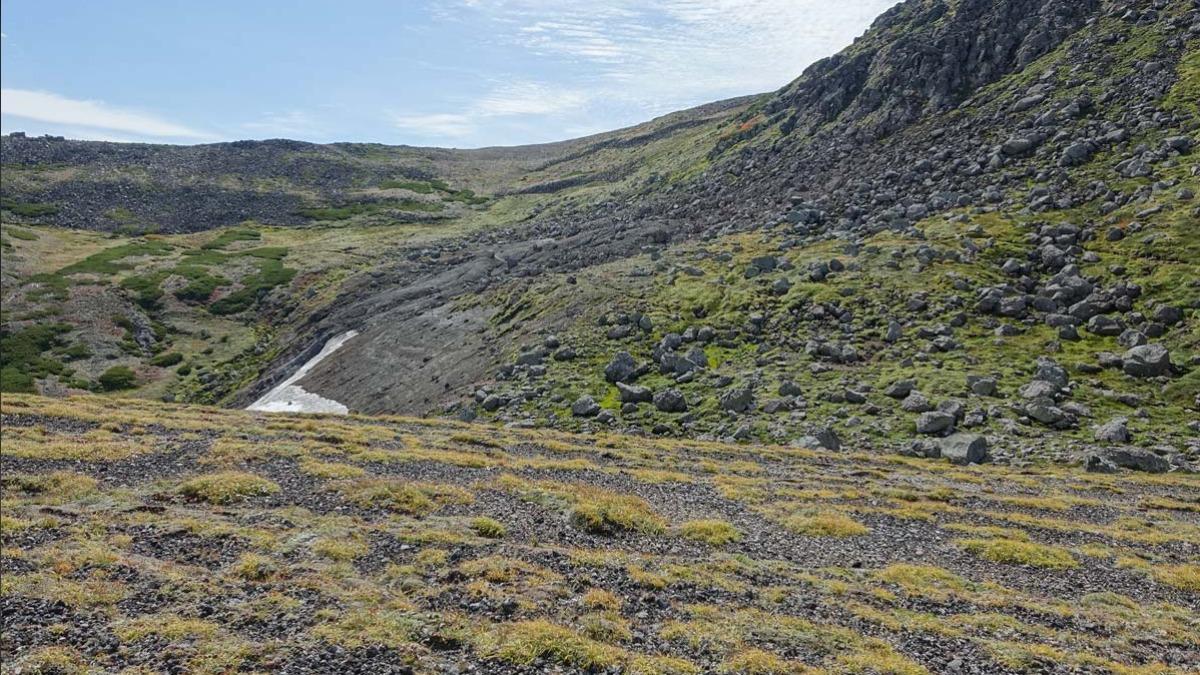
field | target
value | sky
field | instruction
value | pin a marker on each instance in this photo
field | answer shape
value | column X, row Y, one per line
column 453, row 73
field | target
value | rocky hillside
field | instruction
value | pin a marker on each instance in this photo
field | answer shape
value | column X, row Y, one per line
column 143, row 188
column 974, row 228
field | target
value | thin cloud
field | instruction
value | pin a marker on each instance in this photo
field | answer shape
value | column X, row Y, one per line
column 508, row 100
column 443, row 125
column 660, row 55
column 529, row 98
column 294, row 123
column 48, row 107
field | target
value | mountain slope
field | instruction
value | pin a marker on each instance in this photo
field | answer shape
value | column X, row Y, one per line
column 984, row 182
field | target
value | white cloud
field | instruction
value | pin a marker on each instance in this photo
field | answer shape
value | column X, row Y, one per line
column 48, row 107
column 516, row 99
column 529, row 98
column 291, row 124
column 44, row 106
column 624, row 61
column 661, row 55
column 444, row 125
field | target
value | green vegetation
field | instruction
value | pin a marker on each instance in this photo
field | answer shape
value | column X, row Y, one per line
column 488, row 527
column 226, row 487
column 167, row 360
column 230, row 236
column 348, row 211
column 271, row 273
column 714, row 532
column 26, row 209
column 118, row 378
column 367, row 566
column 825, row 524
column 1015, row 552
column 109, row 261
column 21, row 359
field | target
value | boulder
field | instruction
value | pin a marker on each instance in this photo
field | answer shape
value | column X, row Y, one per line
column 670, row 401
column 1114, row 431
column 934, row 422
column 982, row 386
column 900, row 389
column 632, row 393
column 964, row 448
column 1152, row 360
column 1133, row 458
column 916, row 402
column 823, row 437
column 585, row 406
column 621, row 368
column 738, row 399
column 790, row 388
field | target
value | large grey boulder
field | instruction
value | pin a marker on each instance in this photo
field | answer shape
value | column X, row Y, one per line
column 1151, row 360
column 621, row 368
column 632, row 393
column 1114, row 431
column 963, row 448
column 1128, row 457
column 823, row 437
column 916, row 402
column 900, row 389
column 1048, row 370
column 982, row 386
column 935, row 422
column 585, row 406
column 670, row 401
column 738, row 399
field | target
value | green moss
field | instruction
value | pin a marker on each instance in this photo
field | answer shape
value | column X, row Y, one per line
column 201, row 284
column 271, row 273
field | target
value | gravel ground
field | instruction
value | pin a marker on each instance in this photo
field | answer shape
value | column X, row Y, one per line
column 140, row 567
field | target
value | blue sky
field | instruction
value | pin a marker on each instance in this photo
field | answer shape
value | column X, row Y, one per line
column 458, row 73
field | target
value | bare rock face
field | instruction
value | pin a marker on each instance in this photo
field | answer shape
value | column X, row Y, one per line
column 925, row 57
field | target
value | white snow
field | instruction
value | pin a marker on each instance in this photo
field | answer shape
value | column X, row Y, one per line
column 291, row 397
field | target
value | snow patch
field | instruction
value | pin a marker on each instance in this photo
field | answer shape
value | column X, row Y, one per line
column 291, row 397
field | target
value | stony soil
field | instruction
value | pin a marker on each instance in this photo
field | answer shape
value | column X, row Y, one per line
column 177, row 539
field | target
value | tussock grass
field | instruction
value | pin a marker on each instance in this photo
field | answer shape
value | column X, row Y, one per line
column 825, row 524
column 412, row 498
column 713, row 532
column 1185, row 577
column 226, row 487
column 591, row 509
column 488, row 527
column 1014, row 552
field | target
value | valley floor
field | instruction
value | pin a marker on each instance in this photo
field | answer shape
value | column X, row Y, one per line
column 144, row 537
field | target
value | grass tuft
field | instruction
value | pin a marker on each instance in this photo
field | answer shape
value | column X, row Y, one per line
column 1014, row 552
column 825, row 524
column 226, row 487
column 713, row 532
